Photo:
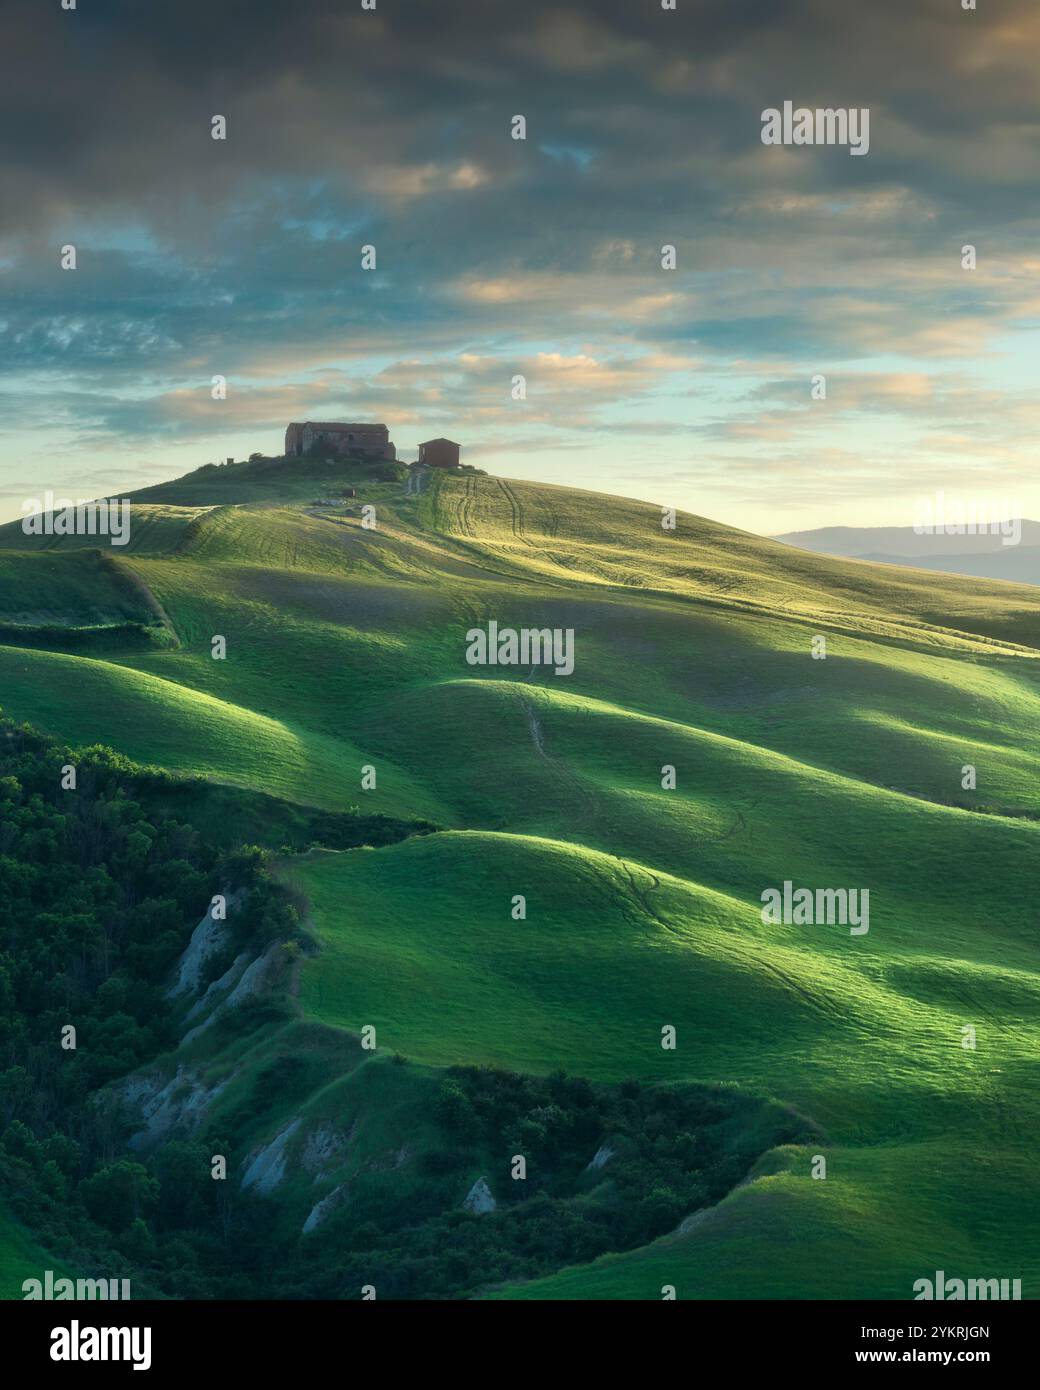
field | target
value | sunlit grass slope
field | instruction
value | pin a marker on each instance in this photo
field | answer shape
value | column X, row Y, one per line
column 884, row 1217
column 420, row 938
column 22, row 1258
column 346, row 650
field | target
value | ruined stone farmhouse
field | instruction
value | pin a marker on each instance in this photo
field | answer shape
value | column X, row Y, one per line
column 336, row 437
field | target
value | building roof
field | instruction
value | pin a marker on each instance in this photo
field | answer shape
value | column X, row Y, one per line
column 335, row 425
column 441, row 440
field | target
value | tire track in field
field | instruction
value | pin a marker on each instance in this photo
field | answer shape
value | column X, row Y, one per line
column 641, row 896
column 517, row 511
column 464, row 509
column 586, row 800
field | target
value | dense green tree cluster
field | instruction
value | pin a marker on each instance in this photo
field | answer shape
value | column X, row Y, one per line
column 99, row 897
column 664, row 1152
column 96, row 897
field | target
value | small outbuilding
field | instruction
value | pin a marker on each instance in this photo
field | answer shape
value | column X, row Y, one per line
column 439, row 453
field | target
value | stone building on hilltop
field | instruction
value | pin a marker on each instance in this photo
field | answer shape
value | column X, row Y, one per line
column 335, row 437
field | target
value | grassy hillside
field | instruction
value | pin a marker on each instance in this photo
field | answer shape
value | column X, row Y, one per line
column 694, row 650
column 22, row 1258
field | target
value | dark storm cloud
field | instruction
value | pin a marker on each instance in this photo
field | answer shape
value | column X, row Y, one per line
column 106, row 109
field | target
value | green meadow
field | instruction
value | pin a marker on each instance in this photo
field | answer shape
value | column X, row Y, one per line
column 345, row 651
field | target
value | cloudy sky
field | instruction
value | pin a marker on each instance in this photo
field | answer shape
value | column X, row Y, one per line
column 541, row 257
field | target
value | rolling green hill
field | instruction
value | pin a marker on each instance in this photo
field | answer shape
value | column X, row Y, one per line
column 345, row 651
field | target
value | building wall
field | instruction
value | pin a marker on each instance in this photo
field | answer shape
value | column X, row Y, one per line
column 369, row 441
column 439, row 453
column 373, row 440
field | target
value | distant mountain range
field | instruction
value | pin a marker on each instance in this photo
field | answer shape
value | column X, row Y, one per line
column 984, row 556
